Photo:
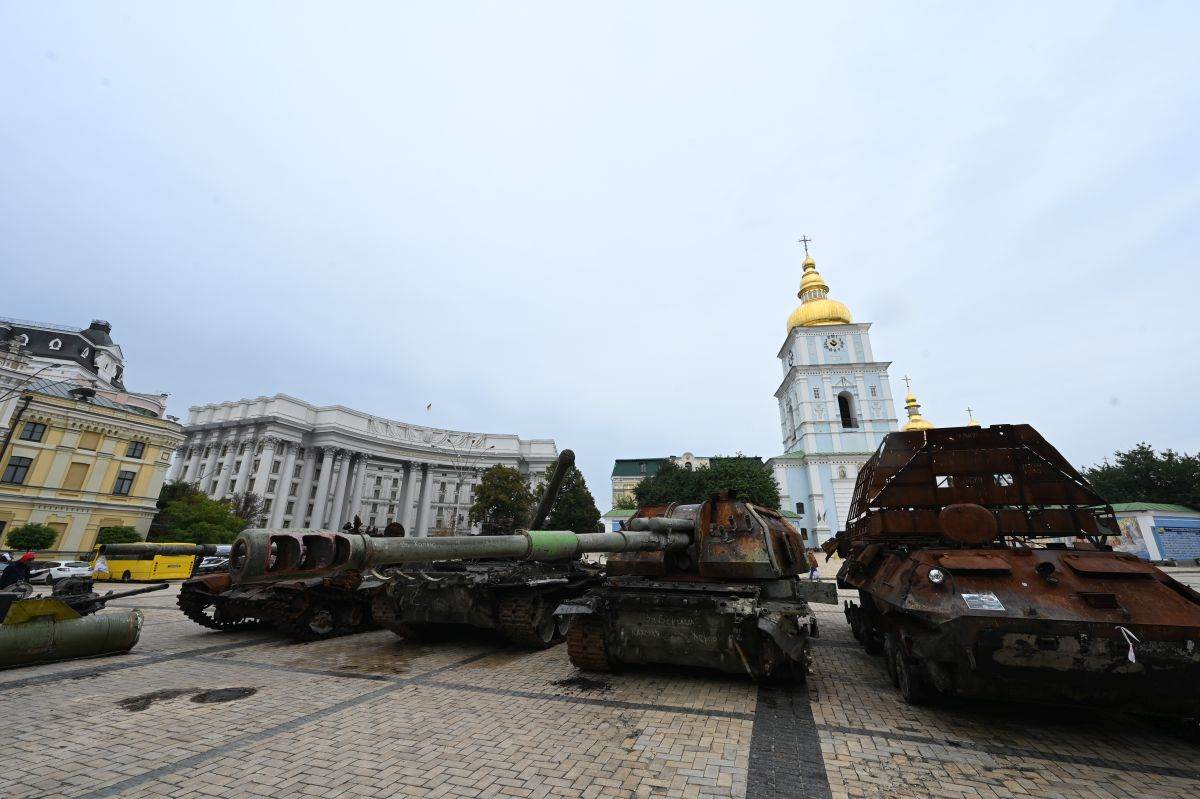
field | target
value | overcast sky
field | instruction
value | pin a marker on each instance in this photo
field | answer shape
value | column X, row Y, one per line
column 579, row 221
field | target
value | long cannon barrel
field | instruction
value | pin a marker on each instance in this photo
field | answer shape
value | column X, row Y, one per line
column 133, row 550
column 111, row 595
column 277, row 554
column 566, row 460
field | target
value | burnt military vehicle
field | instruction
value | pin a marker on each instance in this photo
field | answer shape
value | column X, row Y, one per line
column 983, row 568
column 731, row 598
column 517, row 598
column 302, row 599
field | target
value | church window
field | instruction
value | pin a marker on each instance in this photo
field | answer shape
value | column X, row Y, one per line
column 846, row 409
column 56, row 344
column 800, row 508
column 874, row 391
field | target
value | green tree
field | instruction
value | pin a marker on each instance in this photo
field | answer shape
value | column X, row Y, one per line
column 1143, row 475
column 626, row 502
column 502, row 501
column 118, row 535
column 574, row 509
column 32, row 536
column 747, row 477
column 671, row 484
column 189, row 515
column 246, row 505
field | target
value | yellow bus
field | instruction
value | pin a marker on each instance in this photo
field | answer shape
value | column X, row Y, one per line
column 146, row 562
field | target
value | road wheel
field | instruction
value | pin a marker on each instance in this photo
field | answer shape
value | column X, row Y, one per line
column 126, row 577
column 910, row 680
column 891, row 647
column 528, row 620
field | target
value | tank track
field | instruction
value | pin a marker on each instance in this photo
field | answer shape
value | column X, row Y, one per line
column 298, row 623
column 519, row 618
column 193, row 603
column 383, row 612
column 585, row 645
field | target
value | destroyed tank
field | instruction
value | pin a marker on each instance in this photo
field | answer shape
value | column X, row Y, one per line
column 303, row 606
column 65, row 625
column 981, row 560
column 731, row 598
column 516, row 598
column 267, row 557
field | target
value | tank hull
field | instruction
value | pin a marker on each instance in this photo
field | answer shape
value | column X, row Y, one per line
column 760, row 629
column 514, row 599
column 1098, row 629
column 305, row 610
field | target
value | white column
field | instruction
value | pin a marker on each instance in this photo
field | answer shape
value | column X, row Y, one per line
column 264, row 465
column 282, row 486
column 339, row 494
column 304, row 487
column 405, row 514
column 423, row 502
column 193, row 466
column 243, row 476
column 210, row 466
column 321, row 503
column 177, row 465
column 227, row 469
column 360, row 483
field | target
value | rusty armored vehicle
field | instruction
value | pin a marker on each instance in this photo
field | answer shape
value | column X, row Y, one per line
column 982, row 567
column 731, row 595
column 300, row 598
column 516, row 598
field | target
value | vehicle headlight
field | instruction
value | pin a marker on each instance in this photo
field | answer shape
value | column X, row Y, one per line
column 937, row 576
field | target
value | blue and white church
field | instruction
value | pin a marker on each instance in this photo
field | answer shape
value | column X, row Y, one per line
column 835, row 407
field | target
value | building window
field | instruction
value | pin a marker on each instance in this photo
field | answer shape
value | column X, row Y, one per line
column 266, row 506
column 270, row 486
column 800, row 508
column 642, row 468
column 274, row 467
column 124, row 483
column 310, row 509
column 33, row 431
column 292, row 490
column 378, row 481
column 89, row 441
column 16, row 470
column 296, row 471
column 376, row 493
column 212, row 489
column 846, row 409
column 136, row 449
column 286, row 523
column 371, row 521
column 816, row 392
column 289, row 507
column 312, row 494
column 874, row 391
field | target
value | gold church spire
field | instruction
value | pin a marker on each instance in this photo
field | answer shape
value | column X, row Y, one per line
column 915, row 420
column 815, row 306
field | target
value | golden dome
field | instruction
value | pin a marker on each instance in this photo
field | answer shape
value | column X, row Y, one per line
column 815, row 306
column 915, row 420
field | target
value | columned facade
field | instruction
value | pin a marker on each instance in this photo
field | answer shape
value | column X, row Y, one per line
column 319, row 467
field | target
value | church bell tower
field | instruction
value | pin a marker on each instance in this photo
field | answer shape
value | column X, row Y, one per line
column 835, row 407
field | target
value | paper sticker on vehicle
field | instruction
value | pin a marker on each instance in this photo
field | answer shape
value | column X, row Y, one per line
column 982, row 602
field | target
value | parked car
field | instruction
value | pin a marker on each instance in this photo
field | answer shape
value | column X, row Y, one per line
column 51, row 571
column 213, row 564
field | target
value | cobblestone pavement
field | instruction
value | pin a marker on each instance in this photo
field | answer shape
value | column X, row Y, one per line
column 369, row 716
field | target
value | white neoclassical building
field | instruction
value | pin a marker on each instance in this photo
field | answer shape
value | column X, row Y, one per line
column 319, row 467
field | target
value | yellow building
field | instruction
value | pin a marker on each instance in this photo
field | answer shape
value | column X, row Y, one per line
column 78, row 461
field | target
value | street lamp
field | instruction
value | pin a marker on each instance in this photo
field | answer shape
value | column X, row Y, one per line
column 464, row 461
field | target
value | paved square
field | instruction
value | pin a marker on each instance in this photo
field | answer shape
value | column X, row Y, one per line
column 370, row 716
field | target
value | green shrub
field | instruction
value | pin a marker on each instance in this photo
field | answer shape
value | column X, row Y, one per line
column 118, row 535
column 32, row 536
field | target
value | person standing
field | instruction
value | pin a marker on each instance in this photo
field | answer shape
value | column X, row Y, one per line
column 814, row 568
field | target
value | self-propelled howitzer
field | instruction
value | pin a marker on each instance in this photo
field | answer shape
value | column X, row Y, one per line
column 508, row 583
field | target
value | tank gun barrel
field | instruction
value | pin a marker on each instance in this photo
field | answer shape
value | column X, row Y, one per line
column 292, row 554
column 663, row 524
column 144, row 548
column 566, row 460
